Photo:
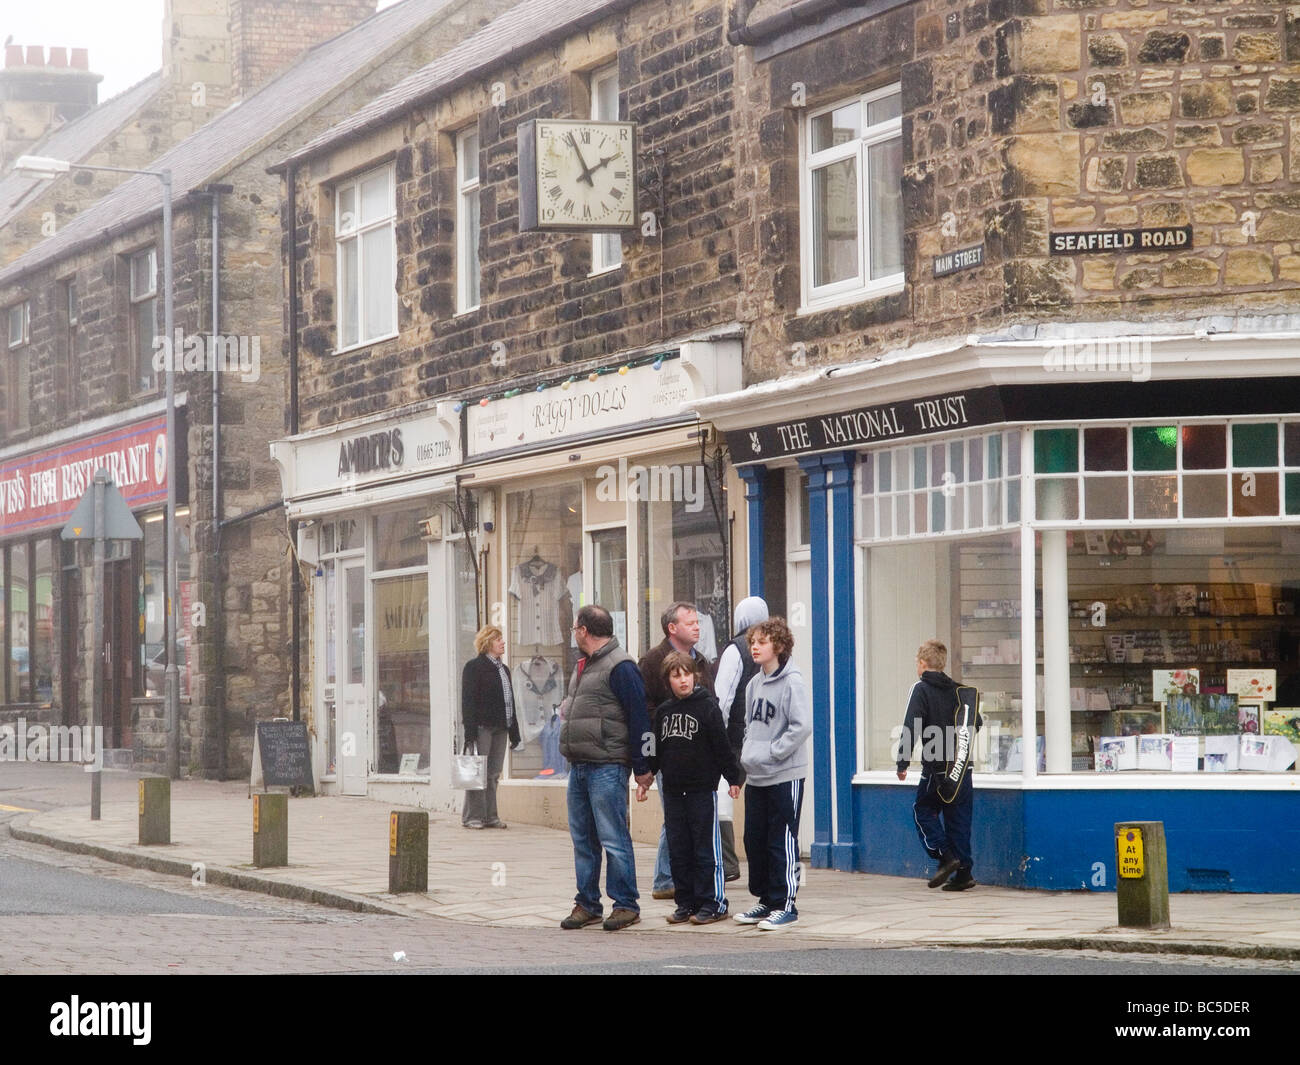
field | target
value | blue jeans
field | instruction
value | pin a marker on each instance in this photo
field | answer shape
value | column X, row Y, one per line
column 663, row 864
column 598, row 820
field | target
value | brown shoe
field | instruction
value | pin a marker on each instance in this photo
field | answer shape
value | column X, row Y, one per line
column 580, row 918
column 621, row 919
column 664, row 893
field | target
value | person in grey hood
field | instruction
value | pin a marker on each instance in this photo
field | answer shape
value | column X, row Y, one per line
column 736, row 667
column 778, row 722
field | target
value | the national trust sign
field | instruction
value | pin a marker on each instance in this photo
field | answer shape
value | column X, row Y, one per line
column 863, row 426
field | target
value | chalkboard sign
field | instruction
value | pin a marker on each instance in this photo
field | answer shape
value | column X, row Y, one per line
column 282, row 755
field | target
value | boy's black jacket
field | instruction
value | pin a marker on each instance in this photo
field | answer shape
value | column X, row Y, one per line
column 931, row 705
column 691, row 747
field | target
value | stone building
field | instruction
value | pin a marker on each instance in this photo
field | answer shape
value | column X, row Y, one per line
column 496, row 420
column 1019, row 310
column 84, row 313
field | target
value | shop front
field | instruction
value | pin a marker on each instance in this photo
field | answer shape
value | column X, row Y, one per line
column 1111, row 563
column 46, row 587
column 595, row 488
column 373, row 502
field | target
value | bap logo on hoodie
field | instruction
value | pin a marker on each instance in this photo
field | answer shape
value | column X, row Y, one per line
column 763, row 711
column 682, row 726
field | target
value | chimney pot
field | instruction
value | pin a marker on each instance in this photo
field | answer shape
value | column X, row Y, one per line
column 36, row 55
column 13, row 55
column 58, row 57
column 80, row 59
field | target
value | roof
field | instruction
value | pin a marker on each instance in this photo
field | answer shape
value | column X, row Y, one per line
column 240, row 130
column 520, row 31
column 77, row 139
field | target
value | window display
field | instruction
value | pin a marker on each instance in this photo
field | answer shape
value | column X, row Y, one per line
column 544, row 556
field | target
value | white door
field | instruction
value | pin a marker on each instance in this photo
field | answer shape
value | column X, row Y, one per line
column 799, row 577
column 353, row 716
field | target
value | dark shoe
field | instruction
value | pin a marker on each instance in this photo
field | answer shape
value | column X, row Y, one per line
column 732, row 876
column 946, row 868
column 495, row 824
column 753, row 916
column 621, row 919
column 960, row 882
column 708, row 917
column 579, row 918
column 664, row 893
column 473, row 824
column 679, row 916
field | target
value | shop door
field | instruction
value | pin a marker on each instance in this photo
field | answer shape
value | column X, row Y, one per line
column 121, row 626
column 353, row 710
column 800, row 621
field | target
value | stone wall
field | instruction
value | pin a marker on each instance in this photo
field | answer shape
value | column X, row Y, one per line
column 1027, row 117
column 539, row 301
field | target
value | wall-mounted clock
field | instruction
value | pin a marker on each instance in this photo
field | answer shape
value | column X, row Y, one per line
column 577, row 175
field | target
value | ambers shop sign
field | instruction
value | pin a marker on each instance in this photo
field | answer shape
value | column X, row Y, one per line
column 867, row 425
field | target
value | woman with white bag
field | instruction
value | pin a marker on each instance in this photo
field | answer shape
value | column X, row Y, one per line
column 487, row 709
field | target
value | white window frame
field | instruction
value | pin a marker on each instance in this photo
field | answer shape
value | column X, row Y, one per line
column 468, row 297
column 136, row 298
column 853, row 289
column 24, row 321
column 603, row 255
column 347, row 231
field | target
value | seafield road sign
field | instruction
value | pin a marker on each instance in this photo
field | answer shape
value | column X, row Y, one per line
column 961, row 259
column 1100, row 241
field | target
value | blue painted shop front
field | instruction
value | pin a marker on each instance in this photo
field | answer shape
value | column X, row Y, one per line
column 1056, row 838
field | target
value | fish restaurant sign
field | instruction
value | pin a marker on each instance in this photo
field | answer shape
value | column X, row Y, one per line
column 40, row 489
column 867, row 425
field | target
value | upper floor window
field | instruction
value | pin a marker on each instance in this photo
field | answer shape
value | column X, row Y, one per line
column 607, row 248
column 851, row 204
column 467, row 220
column 144, row 317
column 72, row 315
column 20, row 323
column 365, row 208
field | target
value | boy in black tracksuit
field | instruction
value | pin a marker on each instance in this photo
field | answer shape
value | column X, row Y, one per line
column 692, row 752
column 944, row 828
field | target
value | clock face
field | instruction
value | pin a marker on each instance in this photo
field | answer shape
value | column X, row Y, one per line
column 586, row 175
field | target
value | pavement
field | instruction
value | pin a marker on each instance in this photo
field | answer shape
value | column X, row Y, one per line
column 523, row 877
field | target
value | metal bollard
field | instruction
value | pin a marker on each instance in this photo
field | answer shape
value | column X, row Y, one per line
column 270, row 830
column 1142, row 887
column 408, row 851
column 155, row 811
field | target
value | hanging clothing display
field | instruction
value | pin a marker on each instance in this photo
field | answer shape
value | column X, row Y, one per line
column 537, row 590
column 707, row 644
column 554, row 764
column 539, row 687
column 574, row 586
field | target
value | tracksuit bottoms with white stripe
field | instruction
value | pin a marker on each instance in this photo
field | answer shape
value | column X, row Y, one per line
column 695, row 850
column 772, row 842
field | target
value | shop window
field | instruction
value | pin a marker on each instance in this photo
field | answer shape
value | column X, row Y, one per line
column 467, row 220
column 42, row 622
column 398, row 539
column 1184, row 649
column 144, row 318
column 1151, row 473
column 150, row 677
column 402, row 674
column 365, row 210
column 545, row 588
column 20, row 322
column 606, row 248
column 851, row 199
column 936, row 489
column 682, row 559
column 965, row 593
column 20, row 629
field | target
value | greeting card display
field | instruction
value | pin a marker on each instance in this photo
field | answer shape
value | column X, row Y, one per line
column 1115, row 753
column 1222, row 754
column 1282, row 721
column 1169, row 682
column 1202, row 715
column 1186, row 754
column 1257, row 684
column 1156, row 752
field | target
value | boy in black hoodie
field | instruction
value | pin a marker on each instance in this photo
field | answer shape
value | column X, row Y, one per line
column 947, row 742
column 692, row 752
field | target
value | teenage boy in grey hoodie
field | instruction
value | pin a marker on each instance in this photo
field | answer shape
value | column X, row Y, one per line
column 778, row 722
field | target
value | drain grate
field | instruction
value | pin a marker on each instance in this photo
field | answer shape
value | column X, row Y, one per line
column 1209, row 880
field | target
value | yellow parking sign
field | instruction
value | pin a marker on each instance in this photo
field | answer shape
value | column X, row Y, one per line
column 1128, row 846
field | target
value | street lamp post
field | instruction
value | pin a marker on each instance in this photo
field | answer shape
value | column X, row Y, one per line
column 44, row 167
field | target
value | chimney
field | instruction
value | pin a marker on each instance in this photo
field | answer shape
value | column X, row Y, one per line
column 36, row 96
column 270, row 35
